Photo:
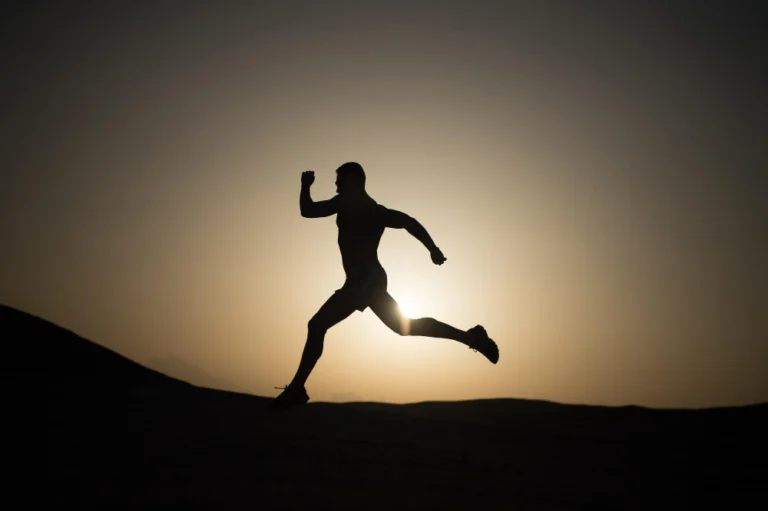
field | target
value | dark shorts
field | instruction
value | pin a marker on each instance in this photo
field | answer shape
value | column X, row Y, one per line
column 361, row 289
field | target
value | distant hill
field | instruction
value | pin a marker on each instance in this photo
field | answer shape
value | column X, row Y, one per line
column 88, row 427
column 178, row 368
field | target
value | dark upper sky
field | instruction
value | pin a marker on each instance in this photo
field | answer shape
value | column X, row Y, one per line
column 151, row 161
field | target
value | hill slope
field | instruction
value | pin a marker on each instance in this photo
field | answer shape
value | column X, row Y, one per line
column 91, row 428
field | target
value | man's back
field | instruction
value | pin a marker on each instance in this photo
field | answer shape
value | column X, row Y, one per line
column 361, row 222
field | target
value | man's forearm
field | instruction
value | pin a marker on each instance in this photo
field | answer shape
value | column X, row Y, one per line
column 420, row 233
column 305, row 200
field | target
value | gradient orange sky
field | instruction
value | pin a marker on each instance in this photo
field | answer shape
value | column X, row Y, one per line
column 596, row 177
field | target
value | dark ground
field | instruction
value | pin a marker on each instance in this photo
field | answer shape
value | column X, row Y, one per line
column 91, row 429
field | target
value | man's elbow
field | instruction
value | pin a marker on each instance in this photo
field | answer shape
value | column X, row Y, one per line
column 410, row 224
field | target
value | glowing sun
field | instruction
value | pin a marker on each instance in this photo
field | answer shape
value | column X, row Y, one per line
column 408, row 308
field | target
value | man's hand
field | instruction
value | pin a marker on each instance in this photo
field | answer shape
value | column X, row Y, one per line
column 437, row 256
column 307, row 177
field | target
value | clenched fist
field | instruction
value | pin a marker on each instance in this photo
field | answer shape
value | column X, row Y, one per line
column 307, row 177
column 437, row 256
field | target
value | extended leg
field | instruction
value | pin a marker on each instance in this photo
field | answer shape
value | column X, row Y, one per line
column 385, row 307
column 334, row 310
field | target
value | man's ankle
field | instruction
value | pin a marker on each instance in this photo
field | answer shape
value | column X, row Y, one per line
column 296, row 386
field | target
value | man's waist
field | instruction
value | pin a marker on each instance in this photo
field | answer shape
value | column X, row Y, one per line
column 362, row 267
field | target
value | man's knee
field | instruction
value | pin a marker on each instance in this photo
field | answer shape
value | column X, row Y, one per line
column 401, row 326
column 420, row 326
column 317, row 326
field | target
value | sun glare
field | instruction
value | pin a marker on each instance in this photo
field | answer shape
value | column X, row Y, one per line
column 407, row 307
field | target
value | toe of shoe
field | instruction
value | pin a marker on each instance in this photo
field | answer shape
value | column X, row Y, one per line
column 494, row 353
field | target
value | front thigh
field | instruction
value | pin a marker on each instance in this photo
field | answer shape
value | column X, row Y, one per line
column 387, row 310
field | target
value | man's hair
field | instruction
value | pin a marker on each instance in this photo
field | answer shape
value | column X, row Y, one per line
column 354, row 172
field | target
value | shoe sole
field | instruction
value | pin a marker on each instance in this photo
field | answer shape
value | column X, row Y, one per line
column 278, row 407
column 484, row 335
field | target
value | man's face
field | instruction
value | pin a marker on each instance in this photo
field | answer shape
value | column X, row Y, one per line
column 341, row 184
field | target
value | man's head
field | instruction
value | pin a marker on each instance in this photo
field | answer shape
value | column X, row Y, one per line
column 350, row 177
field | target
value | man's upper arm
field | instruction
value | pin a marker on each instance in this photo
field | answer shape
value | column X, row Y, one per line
column 395, row 219
column 321, row 208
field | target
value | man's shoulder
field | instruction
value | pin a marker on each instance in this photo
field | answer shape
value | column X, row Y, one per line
column 387, row 210
column 385, row 213
column 354, row 202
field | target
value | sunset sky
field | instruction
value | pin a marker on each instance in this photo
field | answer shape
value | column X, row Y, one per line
column 596, row 174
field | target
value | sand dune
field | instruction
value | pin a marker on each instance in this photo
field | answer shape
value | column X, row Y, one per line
column 90, row 428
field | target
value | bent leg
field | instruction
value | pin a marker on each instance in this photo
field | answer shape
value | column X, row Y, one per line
column 385, row 307
column 335, row 309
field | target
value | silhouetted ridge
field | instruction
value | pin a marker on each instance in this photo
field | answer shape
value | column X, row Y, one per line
column 547, row 417
column 51, row 358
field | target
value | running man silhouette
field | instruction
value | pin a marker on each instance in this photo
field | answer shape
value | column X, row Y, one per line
column 361, row 222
